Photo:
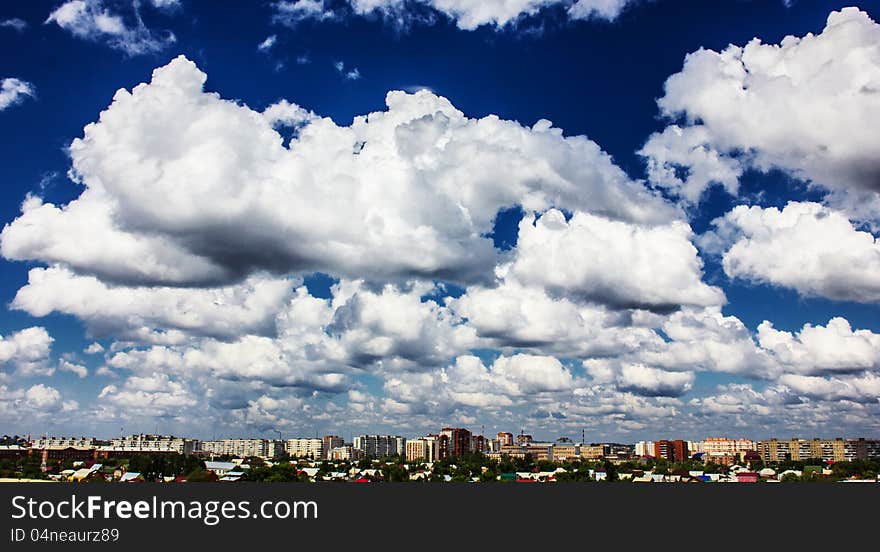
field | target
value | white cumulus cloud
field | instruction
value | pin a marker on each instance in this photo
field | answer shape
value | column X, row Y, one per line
column 820, row 91
column 805, row 246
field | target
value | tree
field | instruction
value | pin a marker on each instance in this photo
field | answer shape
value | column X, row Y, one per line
column 200, row 475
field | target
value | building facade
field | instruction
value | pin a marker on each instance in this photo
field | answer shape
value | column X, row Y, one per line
column 331, row 442
column 306, row 447
column 459, row 440
column 240, row 448
column 380, row 446
column 148, row 444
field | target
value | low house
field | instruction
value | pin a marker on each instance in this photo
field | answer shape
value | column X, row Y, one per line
column 220, row 468
column 746, row 477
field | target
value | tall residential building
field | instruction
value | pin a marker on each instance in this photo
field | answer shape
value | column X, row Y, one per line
column 423, row 449
column 276, row 448
column 459, row 440
column 305, row 447
column 379, row 446
column 144, row 443
column 345, row 452
column 330, row 443
column 591, row 452
column 829, row 450
column 645, row 448
column 79, row 442
column 439, row 446
column 674, row 451
column 505, row 438
column 723, row 445
column 478, row 443
column 240, row 448
column 523, row 439
column 566, row 451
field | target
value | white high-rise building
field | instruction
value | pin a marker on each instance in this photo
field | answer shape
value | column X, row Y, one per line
column 306, row 447
column 240, row 448
column 145, row 443
column 379, row 446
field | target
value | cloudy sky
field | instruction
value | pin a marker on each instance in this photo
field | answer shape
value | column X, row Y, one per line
column 636, row 218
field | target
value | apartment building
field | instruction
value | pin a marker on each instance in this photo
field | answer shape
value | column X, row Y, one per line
column 829, row 450
column 379, row 446
column 240, row 448
column 146, row 444
column 459, row 440
column 64, row 442
column 306, row 447
column 330, row 443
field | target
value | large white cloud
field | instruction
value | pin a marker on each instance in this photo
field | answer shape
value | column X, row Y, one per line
column 860, row 389
column 640, row 379
column 612, row 262
column 512, row 315
column 805, row 246
column 808, row 105
column 187, row 188
column 835, row 347
column 321, row 342
column 94, row 20
column 27, row 351
column 22, row 406
column 154, row 395
column 229, row 312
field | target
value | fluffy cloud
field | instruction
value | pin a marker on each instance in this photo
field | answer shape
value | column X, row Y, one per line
column 817, row 349
column 822, row 93
column 408, row 192
column 805, row 246
column 466, row 14
column 319, row 341
column 93, row 20
column 37, row 402
column 707, row 340
column 468, row 383
column 228, row 312
column 27, row 351
column 612, row 262
column 676, row 147
column 94, row 349
column 862, row 389
column 640, row 379
column 291, row 12
column 511, row 315
column 13, row 91
column 78, row 369
column 155, row 395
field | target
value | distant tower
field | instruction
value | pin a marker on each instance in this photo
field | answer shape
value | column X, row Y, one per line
column 44, row 460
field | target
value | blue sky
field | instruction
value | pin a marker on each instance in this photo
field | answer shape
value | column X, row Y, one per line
column 306, row 289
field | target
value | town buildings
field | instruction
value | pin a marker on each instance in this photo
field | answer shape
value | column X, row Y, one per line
column 835, row 450
column 380, row 446
column 243, row 448
column 145, row 444
column 306, row 447
column 459, row 440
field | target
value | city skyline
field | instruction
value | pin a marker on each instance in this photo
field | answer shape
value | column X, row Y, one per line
column 338, row 217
